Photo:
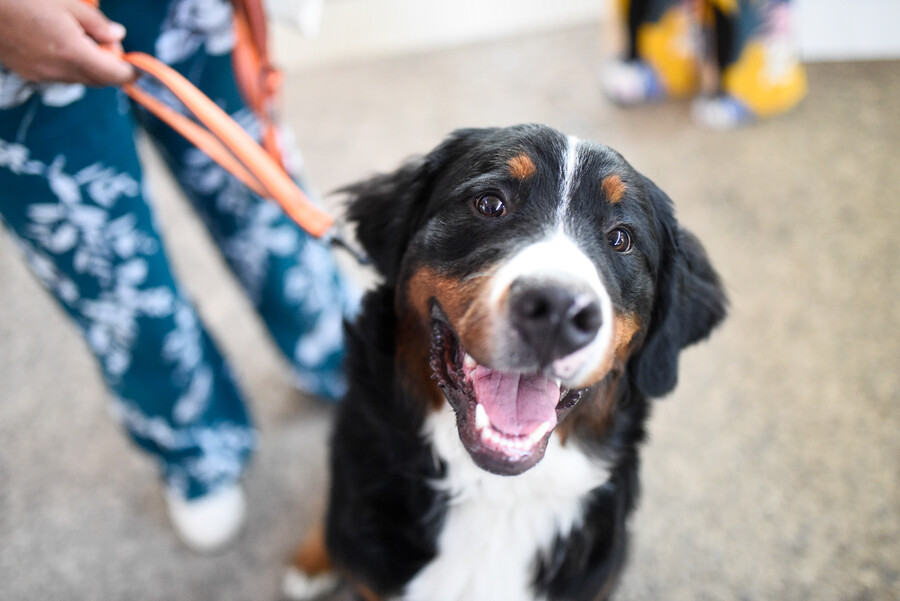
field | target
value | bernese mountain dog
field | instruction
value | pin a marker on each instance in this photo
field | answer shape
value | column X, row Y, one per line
column 537, row 291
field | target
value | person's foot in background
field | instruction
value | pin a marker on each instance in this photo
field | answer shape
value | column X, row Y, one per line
column 746, row 44
column 760, row 75
column 661, row 59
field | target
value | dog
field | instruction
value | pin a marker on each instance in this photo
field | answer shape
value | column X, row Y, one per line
column 537, row 291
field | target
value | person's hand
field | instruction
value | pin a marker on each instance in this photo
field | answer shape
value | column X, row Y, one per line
column 59, row 41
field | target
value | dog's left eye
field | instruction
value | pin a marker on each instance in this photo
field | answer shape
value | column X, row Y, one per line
column 620, row 240
column 490, row 205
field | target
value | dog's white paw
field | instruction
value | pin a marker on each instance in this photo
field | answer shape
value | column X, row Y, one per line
column 299, row 586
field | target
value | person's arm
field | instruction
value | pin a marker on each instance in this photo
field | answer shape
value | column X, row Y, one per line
column 59, row 41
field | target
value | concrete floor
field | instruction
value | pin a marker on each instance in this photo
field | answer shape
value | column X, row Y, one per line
column 772, row 473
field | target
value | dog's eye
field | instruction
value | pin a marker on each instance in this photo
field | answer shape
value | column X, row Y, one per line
column 620, row 240
column 490, row 205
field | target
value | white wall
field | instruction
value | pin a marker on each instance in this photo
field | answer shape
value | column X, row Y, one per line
column 355, row 29
column 848, row 29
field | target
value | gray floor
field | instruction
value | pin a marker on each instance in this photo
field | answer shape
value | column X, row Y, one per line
column 773, row 472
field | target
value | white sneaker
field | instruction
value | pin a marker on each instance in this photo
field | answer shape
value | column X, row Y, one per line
column 629, row 83
column 721, row 112
column 209, row 523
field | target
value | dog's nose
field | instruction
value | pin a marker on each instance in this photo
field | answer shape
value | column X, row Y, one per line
column 553, row 319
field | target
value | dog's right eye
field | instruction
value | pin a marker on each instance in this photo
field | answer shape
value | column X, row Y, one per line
column 620, row 240
column 490, row 205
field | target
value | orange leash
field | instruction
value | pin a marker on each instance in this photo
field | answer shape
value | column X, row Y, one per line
column 226, row 142
column 217, row 134
column 258, row 80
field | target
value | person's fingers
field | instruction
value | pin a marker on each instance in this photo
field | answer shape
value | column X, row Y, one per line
column 99, row 66
column 61, row 41
column 95, row 23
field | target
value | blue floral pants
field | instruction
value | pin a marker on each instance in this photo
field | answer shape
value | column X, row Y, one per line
column 74, row 200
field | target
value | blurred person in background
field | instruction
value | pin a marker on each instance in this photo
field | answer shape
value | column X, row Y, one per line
column 74, row 200
column 748, row 43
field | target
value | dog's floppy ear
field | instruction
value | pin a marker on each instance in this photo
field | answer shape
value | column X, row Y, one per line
column 389, row 208
column 386, row 209
column 689, row 302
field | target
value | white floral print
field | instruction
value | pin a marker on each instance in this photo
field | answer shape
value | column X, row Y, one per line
column 72, row 224
column 204, row 176
column 48, row 273
column 221, row 448
column 195, row 400
column 16, row 158
column 113, row 316
column 183, row 347
column 251, row 247
column 194, row 24
column 15, row 91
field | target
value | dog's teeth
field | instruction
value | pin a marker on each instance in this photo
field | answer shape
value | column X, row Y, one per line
column 489, row 435
column 541, row 431
column 558, row 382
column 469, row 363
column 482, row 420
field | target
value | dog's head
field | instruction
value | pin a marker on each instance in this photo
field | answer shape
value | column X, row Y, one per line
column 527, row 268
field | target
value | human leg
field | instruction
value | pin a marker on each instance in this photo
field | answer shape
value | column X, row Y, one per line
column 291, row 278
column 661, row 55
column 71, row 195
column 760, row 75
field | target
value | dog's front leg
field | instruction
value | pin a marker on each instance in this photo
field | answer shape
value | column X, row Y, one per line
column 311, row 574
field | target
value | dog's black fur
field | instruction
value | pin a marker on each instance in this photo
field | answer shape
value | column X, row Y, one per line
column 384, row 515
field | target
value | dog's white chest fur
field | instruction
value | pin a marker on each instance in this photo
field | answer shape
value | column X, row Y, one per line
column 496, row 526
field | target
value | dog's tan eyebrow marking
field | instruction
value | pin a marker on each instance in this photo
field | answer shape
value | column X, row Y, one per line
column 521, row 166
column 613, row 188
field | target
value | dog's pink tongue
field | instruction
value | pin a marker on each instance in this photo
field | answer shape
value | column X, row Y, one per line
column 516, row 404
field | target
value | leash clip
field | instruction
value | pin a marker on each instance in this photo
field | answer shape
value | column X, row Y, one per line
column 336, row 236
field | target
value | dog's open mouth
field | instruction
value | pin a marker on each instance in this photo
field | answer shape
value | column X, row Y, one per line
column 504, row 418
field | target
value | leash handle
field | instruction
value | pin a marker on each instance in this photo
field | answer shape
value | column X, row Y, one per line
column 217, row 134
column 226, row 142
column 258, row 80
column 198, row 136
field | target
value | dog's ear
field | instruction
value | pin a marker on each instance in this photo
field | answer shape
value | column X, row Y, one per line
column 389, row 208
column 689, row 302
column 386, row 210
